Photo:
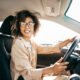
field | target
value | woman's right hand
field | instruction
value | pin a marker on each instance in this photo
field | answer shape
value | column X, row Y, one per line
column 59, row 68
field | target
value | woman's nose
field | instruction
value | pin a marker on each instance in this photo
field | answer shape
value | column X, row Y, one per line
column 26, row 26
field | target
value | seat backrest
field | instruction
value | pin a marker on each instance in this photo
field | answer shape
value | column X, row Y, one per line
column 5, row 49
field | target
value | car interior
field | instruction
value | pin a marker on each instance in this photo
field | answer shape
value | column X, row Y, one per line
column 54, row 11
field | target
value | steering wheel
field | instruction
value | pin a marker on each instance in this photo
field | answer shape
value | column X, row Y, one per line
column 71, row 49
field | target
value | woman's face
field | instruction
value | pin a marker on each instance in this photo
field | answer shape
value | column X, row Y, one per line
column 27, row 27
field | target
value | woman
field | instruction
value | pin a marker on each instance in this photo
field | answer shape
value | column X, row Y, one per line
column 24, row 51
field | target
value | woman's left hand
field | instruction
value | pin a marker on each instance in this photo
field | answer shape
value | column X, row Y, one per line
column 72, row 39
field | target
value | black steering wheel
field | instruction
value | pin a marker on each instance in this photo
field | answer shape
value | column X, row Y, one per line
column 71, row 49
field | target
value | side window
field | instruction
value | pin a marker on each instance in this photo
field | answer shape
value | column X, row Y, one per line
column 1, row 24
column 73, row 10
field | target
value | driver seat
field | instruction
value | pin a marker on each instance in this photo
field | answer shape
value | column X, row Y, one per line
column 5, row 49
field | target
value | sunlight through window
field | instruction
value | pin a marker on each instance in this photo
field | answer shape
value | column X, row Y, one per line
column 51, row 33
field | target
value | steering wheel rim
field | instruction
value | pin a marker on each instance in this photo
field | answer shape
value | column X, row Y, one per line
column 71, row 49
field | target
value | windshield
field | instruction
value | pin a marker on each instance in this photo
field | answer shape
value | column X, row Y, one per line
column 52, row 33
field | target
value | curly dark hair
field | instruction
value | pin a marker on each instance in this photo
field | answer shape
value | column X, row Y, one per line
column 7, row 24
column 20, row 17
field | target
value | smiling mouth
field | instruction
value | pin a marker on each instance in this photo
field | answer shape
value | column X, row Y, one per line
column 27, row 31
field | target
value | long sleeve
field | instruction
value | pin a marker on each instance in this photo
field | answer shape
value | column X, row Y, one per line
column 48, row 49
column 21, row 60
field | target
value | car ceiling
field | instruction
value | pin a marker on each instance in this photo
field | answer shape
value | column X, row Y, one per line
column 40, row 7
column 48, row 9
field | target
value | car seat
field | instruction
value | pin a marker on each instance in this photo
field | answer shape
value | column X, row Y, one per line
column 5, row 49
